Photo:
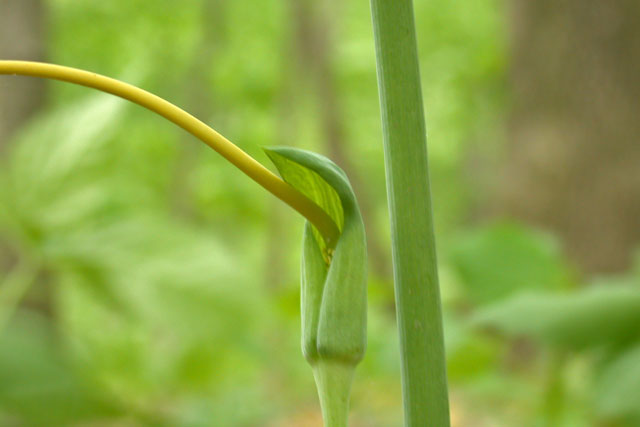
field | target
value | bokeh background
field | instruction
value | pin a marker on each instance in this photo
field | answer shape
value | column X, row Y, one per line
column 144, row 281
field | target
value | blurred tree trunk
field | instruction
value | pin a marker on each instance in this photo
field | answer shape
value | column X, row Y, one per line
column 199, row 101
column 315, row 49
column 573, row 165
column 22, row 36
column 287, row 126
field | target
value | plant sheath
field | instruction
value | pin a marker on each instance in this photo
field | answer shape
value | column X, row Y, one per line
column 419, row 313
column 333, row 294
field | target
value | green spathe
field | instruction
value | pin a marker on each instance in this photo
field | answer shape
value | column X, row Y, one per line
column 334, row 282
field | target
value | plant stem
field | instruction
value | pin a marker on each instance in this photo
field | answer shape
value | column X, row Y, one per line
column 333, row 380
column 424, row 380
column 186, row 121
column 554, row 391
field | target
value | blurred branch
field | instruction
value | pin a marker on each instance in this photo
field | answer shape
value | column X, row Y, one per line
column 285, row 123
column 14, row 287
column 23, row 29
column 199, row 97
column 314, row 49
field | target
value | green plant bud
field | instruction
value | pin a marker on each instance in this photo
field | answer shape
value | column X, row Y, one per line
column 334, row 279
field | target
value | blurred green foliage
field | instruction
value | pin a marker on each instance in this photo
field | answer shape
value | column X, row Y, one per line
column 165, row 284
column 503, row 259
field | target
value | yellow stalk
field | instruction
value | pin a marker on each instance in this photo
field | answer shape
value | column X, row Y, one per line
column 247, row 164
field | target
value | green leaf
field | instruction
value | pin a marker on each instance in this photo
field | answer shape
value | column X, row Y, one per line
column 592, row 317
column 50, row 151
column 125, row 261
column 38, row 384
column 469, row 353
column 618, row 386
column 54, row 175
column 334, row 285
column 497, row 261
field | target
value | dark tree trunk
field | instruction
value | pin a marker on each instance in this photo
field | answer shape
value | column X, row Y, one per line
column 22, row 36
column 574, row 160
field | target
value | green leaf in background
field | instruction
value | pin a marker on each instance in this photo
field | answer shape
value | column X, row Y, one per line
column 469, row 353
column 334, row 283
column 497, row 261
column 54, row 177
column 617, row 388
column 194, row 322
column 38, row 384
column 595, row 316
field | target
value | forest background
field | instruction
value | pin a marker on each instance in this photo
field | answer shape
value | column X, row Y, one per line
column 144, row 281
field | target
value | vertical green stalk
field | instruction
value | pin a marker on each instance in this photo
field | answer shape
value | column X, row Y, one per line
column 333, row 380
column 424, row 380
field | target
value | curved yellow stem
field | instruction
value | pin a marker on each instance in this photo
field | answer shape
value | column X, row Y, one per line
column 186, row 121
